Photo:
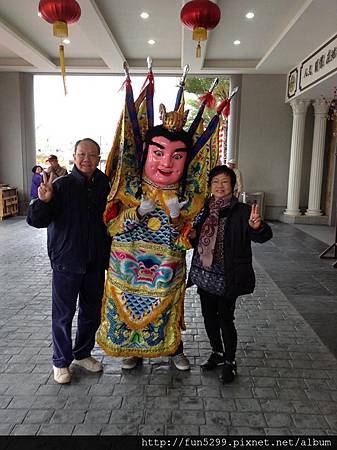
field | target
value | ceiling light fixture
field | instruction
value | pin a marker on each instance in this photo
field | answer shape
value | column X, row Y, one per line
column 144, row 15
column 39, row 14
column 250, row 15
column 66, row 41
column 237, row 42
column 151, row 41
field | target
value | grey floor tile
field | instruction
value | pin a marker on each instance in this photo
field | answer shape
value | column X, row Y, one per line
column 98, row 416
column 120, row 430
column 247, row 419
column 25, row 430
column 182, row 430
column 151, row 429
column 188, row 417
column 56, row 430
column 87, row 429
column 38, row 416
column 161, row 416
column 12, row 415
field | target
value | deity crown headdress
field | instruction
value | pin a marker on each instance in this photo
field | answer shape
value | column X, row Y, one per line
column 173, row 120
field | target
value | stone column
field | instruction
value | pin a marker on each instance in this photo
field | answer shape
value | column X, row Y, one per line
column 321, row 108
column 299, row 108
column 233, row 119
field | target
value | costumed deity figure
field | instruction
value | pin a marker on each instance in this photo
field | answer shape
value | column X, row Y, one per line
column 159, row 184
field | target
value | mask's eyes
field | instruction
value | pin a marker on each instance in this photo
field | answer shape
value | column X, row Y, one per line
column 177, row 156
column 158, row 152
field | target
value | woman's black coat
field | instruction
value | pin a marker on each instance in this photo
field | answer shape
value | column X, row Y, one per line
column 239, row 273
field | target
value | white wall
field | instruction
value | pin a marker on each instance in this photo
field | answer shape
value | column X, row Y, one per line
column 265, row 137
column 17, row 132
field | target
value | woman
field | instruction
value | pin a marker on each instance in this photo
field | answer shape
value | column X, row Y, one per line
column 36, row 181
column 222, row 264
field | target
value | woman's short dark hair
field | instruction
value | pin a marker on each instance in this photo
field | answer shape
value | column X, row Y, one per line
column 35, row 167
column 217, row 170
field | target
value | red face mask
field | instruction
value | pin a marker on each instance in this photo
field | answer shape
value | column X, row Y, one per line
column 165, row 161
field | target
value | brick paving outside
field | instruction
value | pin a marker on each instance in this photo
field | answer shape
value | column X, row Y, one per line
column 287, row 382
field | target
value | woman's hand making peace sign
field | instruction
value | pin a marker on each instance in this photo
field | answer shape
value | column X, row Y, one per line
column 45, row 190
column 255, row 218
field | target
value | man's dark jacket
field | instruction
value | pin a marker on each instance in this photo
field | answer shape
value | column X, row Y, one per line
column 77, row 236
column 239, row 273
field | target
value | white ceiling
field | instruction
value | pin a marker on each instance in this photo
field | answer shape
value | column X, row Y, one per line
column 282, row 33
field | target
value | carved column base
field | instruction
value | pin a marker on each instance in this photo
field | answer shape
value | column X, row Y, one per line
column 313, row 212
column 292, row 212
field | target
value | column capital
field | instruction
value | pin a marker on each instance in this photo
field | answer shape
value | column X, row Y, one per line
column 300, row 106
column 321, row 107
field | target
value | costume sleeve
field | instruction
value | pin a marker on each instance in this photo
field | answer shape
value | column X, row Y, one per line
column 125, row 221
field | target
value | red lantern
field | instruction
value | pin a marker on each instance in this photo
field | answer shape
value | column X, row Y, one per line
column 200, row 16
column 60, row 13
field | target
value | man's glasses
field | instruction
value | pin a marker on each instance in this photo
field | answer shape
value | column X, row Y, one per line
column 88, row 155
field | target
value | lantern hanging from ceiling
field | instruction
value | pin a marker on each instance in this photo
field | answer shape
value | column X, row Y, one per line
column 60, row 13
column 200, row 16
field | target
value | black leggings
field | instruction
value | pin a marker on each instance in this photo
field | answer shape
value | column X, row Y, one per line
column 218, row 314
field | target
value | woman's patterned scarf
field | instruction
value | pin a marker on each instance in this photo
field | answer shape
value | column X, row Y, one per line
column 209, row 230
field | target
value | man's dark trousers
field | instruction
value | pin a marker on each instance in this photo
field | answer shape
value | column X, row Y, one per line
column 66, row 287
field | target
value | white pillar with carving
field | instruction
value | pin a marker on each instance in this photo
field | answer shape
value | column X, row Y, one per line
column 299, row 108
column 321, row 108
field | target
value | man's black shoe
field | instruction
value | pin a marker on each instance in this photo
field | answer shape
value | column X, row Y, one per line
column 215, row 359
column 229, row 372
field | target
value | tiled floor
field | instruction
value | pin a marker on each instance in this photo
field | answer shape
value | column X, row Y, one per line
column 287, row 381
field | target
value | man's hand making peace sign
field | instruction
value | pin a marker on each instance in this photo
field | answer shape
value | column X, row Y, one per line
column 45, row 190
column 255, row 218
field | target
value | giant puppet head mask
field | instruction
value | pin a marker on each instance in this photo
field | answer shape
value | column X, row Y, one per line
column 165, row 161
column 166, row 149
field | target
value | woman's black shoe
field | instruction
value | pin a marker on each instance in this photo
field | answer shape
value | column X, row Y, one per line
column 229, row 372
column 214, row 360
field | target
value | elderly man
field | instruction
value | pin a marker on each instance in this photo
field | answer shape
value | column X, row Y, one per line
column 78, row 246
column 55, row 168
column 239, row 185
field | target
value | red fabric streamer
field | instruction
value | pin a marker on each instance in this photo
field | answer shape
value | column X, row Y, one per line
column 149, row 79
column 126, row 84
column 208, row 99
column 224, row 108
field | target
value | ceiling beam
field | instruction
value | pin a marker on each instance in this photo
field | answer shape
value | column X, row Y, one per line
column 11, row 39
column 94, row 26
column 284, row 33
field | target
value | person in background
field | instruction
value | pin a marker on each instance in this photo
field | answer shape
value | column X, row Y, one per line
column 222, row 264
column 55, row 168
column 36, row 180
column 239, row 185
column 72, row 208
